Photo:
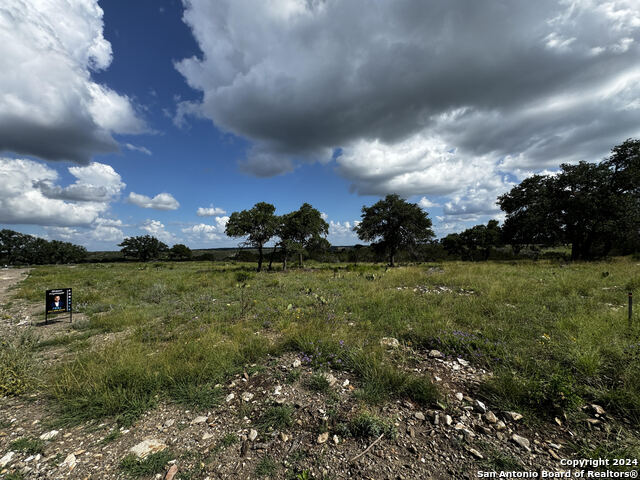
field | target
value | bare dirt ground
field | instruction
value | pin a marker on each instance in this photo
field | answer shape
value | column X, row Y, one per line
column 230, row 441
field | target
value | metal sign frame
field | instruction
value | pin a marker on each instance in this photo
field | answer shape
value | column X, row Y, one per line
column 63, row 304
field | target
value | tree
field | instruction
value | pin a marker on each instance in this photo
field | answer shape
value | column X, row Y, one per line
column 180, row 252
column 258, row 225
column 18, row 248
column 392, row 224
column 303, row 228
column 592, row 206
column 143, row 248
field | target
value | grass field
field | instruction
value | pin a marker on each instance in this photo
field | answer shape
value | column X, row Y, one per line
column 556, row 336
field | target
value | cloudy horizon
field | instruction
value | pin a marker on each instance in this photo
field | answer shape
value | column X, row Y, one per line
column 164, row 117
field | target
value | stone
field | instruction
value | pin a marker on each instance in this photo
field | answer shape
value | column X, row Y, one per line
column 253, row 434
column 419, row 416
column 247, row 396
column 490, row 417
column 70, row 462
column 296, row 363
column 515, row 416
column 4, row 461
column 336, row 439
column 207, row 436
column 345, row 383
column 330, row 378
column 597, row 409
column 277, row 390
column 229, row 397
column 146, row 447
column 435, row 354
column 49, row 435
column 389, row 342
column 172, row 472
column 323, row 437
column 169, row 423
column 197, row 420
column 463, row 362
column 481, row 406
column 448, row 420
column 459, row 396
column 475, row 453
column 284, row 437
column 500, row 425
column 521, row 441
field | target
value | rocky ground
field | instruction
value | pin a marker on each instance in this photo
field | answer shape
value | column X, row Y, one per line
column 283, row 419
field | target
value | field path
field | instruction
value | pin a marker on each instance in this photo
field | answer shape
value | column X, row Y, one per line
column 8, row 278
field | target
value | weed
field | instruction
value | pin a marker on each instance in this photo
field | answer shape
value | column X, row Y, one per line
column 366, row 425
column 110, row 437
column 266, row 467
column 318, row 383
column 31, row 446
column 150, row 465
column 276, row 418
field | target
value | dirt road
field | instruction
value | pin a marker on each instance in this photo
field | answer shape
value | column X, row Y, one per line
column 10, row 277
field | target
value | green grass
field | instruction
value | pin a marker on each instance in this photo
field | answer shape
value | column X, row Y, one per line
column 554, row 335
column 154, row 463
column 266, row 467
column 318, row 383
column 275, row 418
column 366, row 426
column 31, row 446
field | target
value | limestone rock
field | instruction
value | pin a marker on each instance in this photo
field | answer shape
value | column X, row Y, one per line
column 49, row 435
column 389, row 342
column 323, row 437
column 147, row 447
column 521, row 441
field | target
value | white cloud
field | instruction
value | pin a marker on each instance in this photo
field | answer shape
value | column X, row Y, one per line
column 137, row 148
column 29, row 195
column 426, row 203
column 341, row 233
column 210, row 211
column 162, row 201
column 437, row 98
column 50, row 107
column 202, row 231
column 157, row 229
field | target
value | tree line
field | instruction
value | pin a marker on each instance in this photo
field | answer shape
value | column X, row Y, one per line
column 20, row 249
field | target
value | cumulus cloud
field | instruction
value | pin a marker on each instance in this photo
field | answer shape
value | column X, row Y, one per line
column 341, row 233
column 207, row 232
column 157, row 229
column 425, row 203
column 162, row 201
column 29, row 194
column 419, row 98
column 50, row 107
column 210, row 211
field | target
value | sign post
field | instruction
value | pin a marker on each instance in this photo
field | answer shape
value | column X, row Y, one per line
column 58, row 301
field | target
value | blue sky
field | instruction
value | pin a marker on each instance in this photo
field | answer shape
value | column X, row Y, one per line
column 124, row 118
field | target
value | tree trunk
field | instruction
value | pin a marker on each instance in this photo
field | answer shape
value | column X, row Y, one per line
column 300, row 259
column 259, row 258
column 284, row 262
column 391, row 263
column 273, row 252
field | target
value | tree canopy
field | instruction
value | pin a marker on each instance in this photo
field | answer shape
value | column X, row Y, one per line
column 143, row 248
column 394, row 223
column 18, row 248
column 258, row 224
column 592, row 206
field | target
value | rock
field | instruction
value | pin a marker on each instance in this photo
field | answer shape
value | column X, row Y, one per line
column 69, row 462
column 277, row 390
column 475, row 453
column 197, row 420
column 284, row 437
column 229, row 397
column 49, row 435
column 521, row 441
column 515, row 416
column 253, row 434
column 597, row 409
column 336, row 439
column 500, row 425
column 490, row 417
column 148, row 446
column 481, row 406
column 169, row 423
column 435, row 354
column 459, row 396
column 4, row 461
column 448, row 420
column 296, row 363
column 323, row 437
column 345, row 383
column 207, row 436
column 172, row 472
column 419, row 416
column 330, row 378
column 389, row 342
column 247, row 396
column 463, row 362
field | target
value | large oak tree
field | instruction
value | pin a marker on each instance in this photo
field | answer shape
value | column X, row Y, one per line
column 257, row 224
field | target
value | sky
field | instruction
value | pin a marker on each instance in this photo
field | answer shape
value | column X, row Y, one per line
column 163, row 117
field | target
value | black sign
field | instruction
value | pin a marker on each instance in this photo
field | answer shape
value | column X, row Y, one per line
column 58, row 301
